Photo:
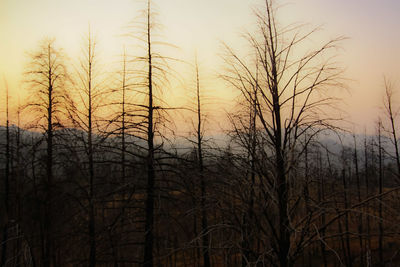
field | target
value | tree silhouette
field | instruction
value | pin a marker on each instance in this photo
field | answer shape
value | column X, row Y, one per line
column 289, row 95
column 46, row 76
column 151, row 76
column 86, row 110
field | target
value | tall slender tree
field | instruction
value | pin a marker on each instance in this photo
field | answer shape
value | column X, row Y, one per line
column 149, row 205
column 203, row 189
column 83, row 107
column 46, row 76
column 391, row 114
column 380, row 184
column 358, row 181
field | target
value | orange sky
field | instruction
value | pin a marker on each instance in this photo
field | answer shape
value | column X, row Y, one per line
column 371, row 51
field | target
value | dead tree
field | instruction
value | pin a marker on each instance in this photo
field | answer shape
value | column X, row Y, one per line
column 380, row 183
column 46, row 76
column 347, row 251
column 245, row 134
column 149, row 205
column 358, row 181
column 84, row 105
column 391, row 114
column 151, row 77
column 203, row 189
column 367, row 172
column 288, row 105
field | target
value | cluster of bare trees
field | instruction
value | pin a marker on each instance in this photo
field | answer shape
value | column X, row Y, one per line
column 91, row 181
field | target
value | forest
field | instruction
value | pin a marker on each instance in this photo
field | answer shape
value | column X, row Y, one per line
column 94, row 174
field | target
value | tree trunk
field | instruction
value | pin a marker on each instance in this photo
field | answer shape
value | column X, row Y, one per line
column 6, row 189
column 149, row 209
column 48, row 249
column 380, row 241
column 346, row 205
column 204, row 221
column 91, row 223
column 360, row 220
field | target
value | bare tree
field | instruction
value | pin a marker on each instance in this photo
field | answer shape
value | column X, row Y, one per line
column 149, row 206
column 380, row 184
column 246, row 135
column 151, row 78
column 203, row 189
column 46, row 76
column 367, row 171
column 358, row 181
column 84, row 104
column 291, row 99
column 391, row 114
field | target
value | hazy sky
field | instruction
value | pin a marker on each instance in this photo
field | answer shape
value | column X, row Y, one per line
column 372, row 50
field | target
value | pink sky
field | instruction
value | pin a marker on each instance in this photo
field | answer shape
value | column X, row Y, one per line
column 370, row 53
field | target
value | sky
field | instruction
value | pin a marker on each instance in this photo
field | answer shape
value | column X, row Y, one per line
column 371, row 52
